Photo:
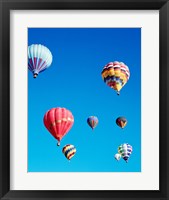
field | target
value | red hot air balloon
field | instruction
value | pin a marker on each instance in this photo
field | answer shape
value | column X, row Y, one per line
column 58, row 121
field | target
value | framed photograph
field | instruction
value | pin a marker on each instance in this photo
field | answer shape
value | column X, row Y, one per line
column 84, row 104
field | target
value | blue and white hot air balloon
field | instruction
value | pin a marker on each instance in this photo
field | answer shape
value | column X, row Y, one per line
column 39, row 58
column 125, row 151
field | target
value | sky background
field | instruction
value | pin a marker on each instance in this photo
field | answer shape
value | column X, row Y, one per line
column 74, row 81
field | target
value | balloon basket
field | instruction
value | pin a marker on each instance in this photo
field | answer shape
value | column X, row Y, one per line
column 35, row 75
column 58, row 144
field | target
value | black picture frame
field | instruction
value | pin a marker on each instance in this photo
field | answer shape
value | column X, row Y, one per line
column 5, row 7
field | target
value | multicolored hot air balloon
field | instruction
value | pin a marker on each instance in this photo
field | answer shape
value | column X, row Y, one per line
column 115, row 75
column 58, row 122
column 117, row 156
column 121, row 121
column 69, row 151
column 39, row 58
column 125, row 151
column 92, row 121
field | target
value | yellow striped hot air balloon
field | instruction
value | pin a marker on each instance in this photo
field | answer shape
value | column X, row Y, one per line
column 69, row 151
column 115, row 75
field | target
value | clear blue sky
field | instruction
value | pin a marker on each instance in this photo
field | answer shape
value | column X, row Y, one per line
column 74, row 81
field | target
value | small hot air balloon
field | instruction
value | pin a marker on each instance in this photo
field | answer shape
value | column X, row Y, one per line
column 117, row 156
column 115, row 75
column 39, row 58
column 58, row 121
column 121, row 121
column 92, row 121
column 69, row 151
column 125, row 151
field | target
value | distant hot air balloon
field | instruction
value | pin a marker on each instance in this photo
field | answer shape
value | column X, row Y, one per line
column 58, row 121
column 121, row 121
column 39, row 58
column 69, row 151
column 115, row 75
column 125, row 151
column 117, row 156
column 92, row 121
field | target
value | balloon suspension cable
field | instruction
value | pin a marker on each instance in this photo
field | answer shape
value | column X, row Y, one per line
column 35, row 75
column 58, row 144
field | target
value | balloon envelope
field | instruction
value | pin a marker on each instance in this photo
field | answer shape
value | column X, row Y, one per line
column 117, row 156
column 69, row 151
column 92, row 121
column 58, row 122
column 115, row 75
column 121, row 121
column 39, row 58
column 125, row 151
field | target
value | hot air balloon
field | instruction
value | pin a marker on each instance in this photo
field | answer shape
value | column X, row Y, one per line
column 58, row 122
column 39, row 58
column 121, row 121
column 92, row 121
column 117, row 156
column 125, row 151
column 115, row 75
column 69, row 151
